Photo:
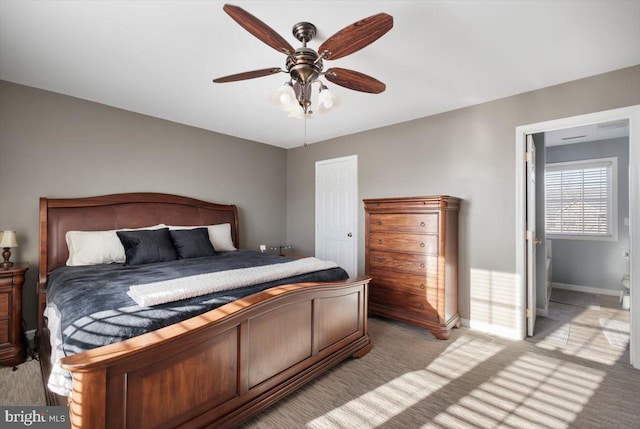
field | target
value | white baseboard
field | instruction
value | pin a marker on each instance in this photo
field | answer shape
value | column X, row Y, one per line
column 544, row 312
column 587, row 289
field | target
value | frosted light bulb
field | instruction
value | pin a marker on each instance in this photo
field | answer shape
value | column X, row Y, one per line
column 285, row 98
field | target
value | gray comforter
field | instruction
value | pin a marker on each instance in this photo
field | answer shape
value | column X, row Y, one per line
column 95, row 310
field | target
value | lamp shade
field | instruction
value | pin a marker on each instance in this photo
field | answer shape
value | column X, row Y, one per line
column 285, row 98
column 8, row 239
column 296, row 112
column 327, row 101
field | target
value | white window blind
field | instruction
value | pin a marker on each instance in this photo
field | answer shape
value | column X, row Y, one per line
column 580, row 199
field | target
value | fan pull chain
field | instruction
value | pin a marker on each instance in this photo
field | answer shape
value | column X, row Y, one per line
column 305, row 130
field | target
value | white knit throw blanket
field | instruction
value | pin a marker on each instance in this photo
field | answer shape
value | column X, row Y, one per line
column 146, row 295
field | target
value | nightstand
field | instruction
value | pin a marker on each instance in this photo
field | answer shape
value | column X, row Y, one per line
column 295, row 256
column 12, row 347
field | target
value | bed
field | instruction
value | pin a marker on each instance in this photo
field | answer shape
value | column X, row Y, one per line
column 214, row 369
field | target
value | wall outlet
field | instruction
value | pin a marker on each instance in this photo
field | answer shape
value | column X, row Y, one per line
column 263, row 248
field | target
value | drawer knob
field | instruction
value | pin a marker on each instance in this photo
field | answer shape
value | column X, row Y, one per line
column 421, row 306
column 422, row 224
column 421, row 265
column 379, row 259
column 421, row 244
column 379, row 241
column 421, row 285
column 379, row 222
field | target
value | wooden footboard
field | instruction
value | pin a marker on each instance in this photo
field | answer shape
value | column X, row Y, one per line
column 222, row 367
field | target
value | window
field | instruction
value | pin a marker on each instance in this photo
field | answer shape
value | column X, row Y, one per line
column 581, row 199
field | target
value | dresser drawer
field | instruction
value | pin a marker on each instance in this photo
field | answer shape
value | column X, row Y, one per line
column 4, row 331
column 413, row 223
column 404, row 242
column 4, row 306
column 399, row 302
column 406, row 262
column 6, row 281
column 424, row 286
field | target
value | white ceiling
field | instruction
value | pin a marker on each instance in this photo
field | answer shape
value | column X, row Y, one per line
column 587, row 133
column 159, row 57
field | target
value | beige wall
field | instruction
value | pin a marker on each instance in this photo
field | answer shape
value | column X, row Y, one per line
column 57, row 146
column 468, row 153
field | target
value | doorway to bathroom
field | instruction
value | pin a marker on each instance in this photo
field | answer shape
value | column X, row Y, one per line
column 582, row 209
column 580, row 269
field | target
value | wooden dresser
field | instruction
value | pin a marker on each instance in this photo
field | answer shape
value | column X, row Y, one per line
column 412, row 254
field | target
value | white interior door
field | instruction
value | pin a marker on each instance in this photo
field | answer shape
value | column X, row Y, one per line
column 531, row 235
column 336, row 212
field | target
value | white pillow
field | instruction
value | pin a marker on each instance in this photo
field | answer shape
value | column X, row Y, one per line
column 93, row 247
column 97, row 247
column 219, row 235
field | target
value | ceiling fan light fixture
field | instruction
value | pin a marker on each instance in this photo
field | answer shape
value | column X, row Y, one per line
column 284, row 98
column 305, row 65
column 327, row 101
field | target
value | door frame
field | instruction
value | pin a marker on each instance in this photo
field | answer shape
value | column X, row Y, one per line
column 354, row 160
column 632, row 114
column 531, row 240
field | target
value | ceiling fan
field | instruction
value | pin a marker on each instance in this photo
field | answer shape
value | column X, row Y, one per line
column 305, row 66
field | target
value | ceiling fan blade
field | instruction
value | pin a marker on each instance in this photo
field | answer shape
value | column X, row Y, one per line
column 354, row 80
column 247, row 75
column 258, row 28
column 356, row 36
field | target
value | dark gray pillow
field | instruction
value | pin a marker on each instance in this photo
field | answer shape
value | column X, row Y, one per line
column 192, row 243
column 147, row 246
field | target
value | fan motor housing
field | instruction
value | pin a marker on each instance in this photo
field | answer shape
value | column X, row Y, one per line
column 304, row 65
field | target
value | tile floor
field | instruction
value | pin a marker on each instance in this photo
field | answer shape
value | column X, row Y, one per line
column 575, row 327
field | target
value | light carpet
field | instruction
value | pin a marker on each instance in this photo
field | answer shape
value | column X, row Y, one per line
column 552, row 331
column 412, row 380
column 473, row 380
column 22, row 386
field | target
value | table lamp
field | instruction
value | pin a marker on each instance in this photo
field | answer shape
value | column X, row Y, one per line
column 7, row 241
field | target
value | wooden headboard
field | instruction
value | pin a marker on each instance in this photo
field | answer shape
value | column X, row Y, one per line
column 107, row 212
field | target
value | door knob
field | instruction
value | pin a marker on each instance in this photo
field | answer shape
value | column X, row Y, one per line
column 349, row 235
